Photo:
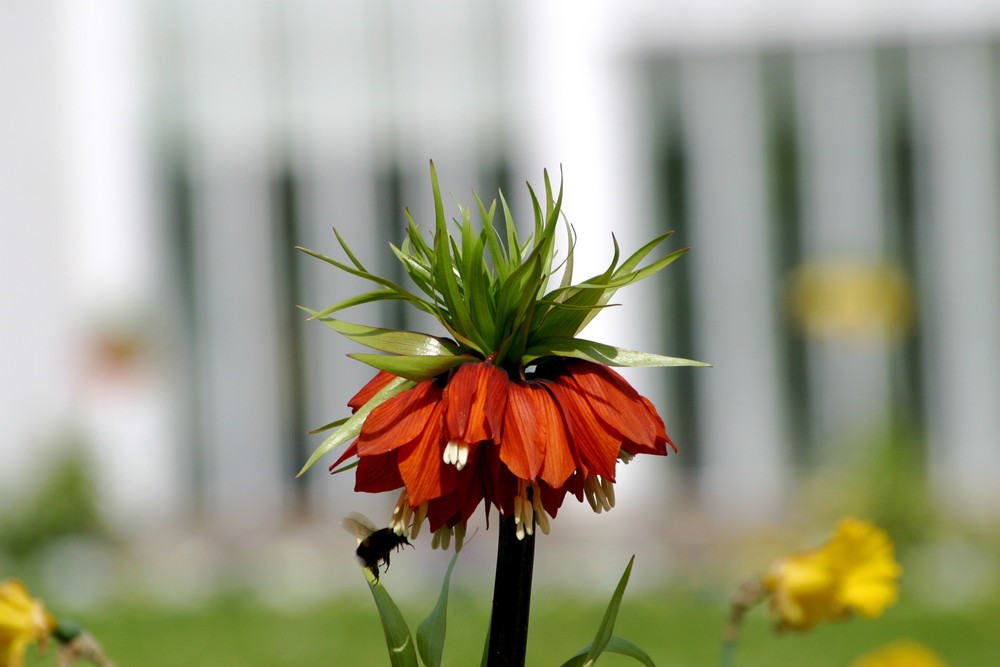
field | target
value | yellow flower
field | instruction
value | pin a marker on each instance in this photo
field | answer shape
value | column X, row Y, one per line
column 855, row 572
column 900, row 654
column 849, row 300
column 23, row 620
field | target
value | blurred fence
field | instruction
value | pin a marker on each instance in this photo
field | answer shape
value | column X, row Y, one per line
column 839, row 191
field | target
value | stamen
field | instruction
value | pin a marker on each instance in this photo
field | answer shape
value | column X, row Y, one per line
column 600, row 493
column 459, row 536
column 418, row 519
column 401, row 514
column 588, row 490
column 609, row 492
column 625, row 457
column 445, row 532
column 539, row 515
column 542, row 519
column 524, row 509
column 456, row 453
column 442, row 537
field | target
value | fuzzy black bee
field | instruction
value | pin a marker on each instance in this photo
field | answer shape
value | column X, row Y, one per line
column 374, row 544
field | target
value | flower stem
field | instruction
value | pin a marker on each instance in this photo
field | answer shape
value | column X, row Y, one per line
column 508, row 641
column 747, row 596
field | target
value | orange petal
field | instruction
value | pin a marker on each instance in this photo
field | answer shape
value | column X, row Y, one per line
column 662, row 439
column 659, row 445
column 376, row 474
column 476, row 396
column 474, row 483
column 475, row 478
column 596, row 448
column 552, row 498
column 348, row 453
column 526, row 426
column 617, row 403
column 420, row 464
column 374, row 386
column 399, row 420
column 558, row 464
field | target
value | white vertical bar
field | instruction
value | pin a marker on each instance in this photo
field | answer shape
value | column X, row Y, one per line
column 743, row 436
column 955, row 113
column 237, row 311
column 437, row 87
column 842, row 221
column 337, row 123
column 117, row 260
column 436, row 68
column 38, row 343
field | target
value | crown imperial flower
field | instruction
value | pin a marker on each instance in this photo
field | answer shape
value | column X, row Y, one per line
column 854, row 573
column 511, row 409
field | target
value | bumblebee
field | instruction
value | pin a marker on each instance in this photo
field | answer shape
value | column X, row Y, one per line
column 374, row 544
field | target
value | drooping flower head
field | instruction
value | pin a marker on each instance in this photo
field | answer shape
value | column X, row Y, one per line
column 23, row 620
column 854, row 573
column 511, row 408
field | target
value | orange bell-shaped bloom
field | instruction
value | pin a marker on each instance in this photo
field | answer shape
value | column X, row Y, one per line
column 476, row 435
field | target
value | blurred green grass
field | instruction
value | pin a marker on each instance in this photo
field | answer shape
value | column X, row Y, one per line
column 678, row 630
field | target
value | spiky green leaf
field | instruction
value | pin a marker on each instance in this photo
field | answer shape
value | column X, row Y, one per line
column 445, row 278
column 608, row 355
column 394, row 341
column 345, row 467
column 605, row 639
column 384, row 282
column 416, row 368
column 352, row 427
column 327, row 427
column 431, row 631
column 367, row 297
column 347, row 251
column 398, row 640
column 607, row 628
column 615, row 645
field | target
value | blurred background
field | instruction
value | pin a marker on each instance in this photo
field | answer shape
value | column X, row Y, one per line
column 834, row 166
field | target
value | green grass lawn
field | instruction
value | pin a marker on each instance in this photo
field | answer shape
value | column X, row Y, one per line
column 677, row 630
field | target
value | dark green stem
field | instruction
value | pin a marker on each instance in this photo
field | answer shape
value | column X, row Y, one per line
column 508, row 642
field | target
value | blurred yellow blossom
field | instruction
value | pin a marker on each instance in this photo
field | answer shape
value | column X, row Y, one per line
column 23, row 620
column 855, row 572
column 900, row 654
column 852, row 300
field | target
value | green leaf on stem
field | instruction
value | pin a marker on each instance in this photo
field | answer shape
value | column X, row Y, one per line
column 605, row 639
column 615, row 645
column 412, row 367
column 347, row 466
column 608, row 355
column 608, row 624
column 444, row 272
column 367, row 297
column 350, row 428
column 431, row 631
column 327, row 427
column 398, row 640
column 394, row 341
